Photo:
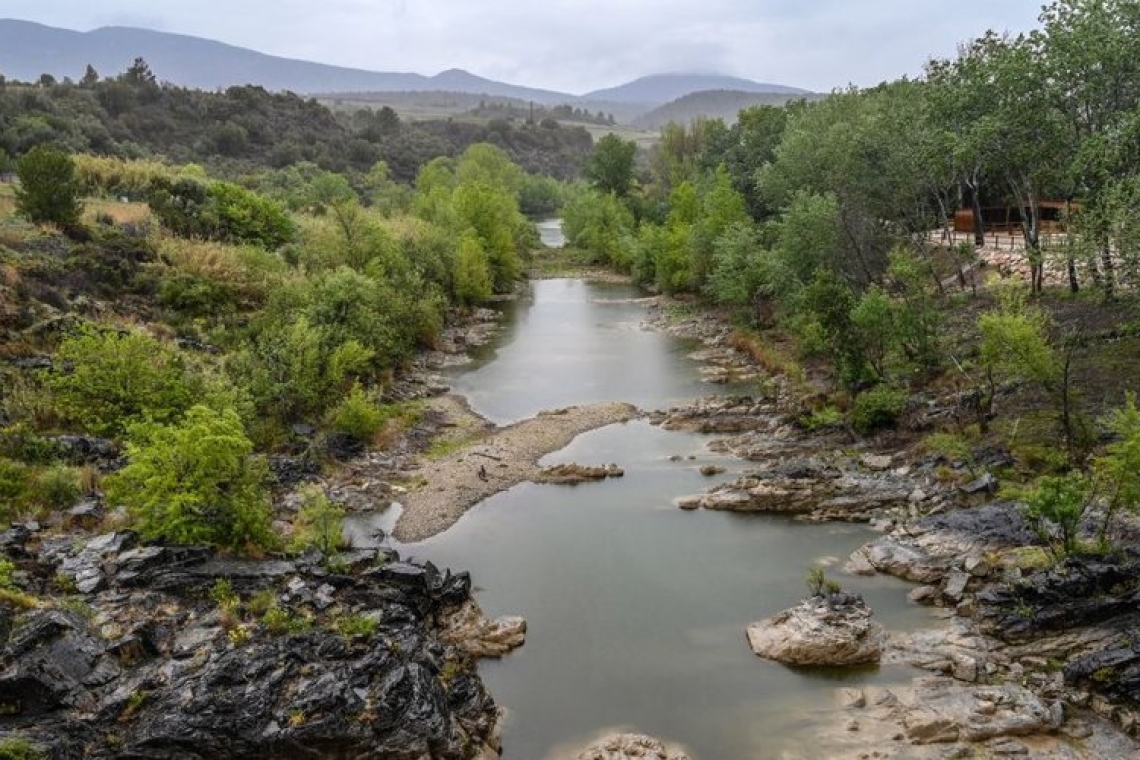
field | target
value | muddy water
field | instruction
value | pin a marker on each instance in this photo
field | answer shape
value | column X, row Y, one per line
column 636, row 609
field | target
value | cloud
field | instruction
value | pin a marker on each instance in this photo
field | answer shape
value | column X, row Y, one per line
column 577, row 45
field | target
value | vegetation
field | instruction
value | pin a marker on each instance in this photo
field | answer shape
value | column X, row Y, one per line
column 49, row 190
column 195, row 482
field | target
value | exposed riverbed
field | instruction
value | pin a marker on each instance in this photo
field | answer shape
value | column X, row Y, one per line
column 636, row 610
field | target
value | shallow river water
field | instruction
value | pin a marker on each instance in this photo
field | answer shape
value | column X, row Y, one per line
column 636, row 609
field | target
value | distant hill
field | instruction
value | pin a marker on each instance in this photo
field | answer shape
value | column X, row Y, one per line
column 714, row 104
column 28, row 50
column 663, row 88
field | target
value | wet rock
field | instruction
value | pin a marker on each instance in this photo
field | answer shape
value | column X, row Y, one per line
column 877, row 462
column 572, row 473
column 154, row 663
column 343, row 446
column 85, row 449
column 290, row 470
column 955, row 584
column 987, row 483
column 86, row 515
column 630, row 747
column 830, row 631
column 469, row 629
column 1077, row 593
column 943, row 711
column 710, row 470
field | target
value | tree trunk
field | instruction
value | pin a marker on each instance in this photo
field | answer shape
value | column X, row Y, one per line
column 972, row 185
column 1108, row 284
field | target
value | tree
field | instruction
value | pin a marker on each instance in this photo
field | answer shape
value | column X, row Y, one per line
column 610, row 167
column 49, row 190
column 90, row 77
column 195, row 482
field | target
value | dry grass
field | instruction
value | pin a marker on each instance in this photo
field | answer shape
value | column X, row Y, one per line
column 122, row 213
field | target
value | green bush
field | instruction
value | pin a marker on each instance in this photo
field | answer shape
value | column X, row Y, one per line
column 1055, row 507
column 49, row 190
column 15, row 487
column 19, row 442
column 877, row 409
column 195, row 482
column 318, row 524
column 357, row 415
column 220, row 211
column 58, row 487
column 119, row 378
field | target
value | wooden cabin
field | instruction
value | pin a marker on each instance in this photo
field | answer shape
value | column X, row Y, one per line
column 1007, row 219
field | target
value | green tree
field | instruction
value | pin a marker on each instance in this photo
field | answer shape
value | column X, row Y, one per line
column 120, row 378
column 195, row 482
column 49, row 189
column 610, row 167
column 472, row 271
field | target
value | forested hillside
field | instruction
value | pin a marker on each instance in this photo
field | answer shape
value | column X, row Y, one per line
column 822, row 223
column 247, row 128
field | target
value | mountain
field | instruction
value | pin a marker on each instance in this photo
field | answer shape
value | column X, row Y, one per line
column 663, row 88
column 28, row 50
column 714, row 104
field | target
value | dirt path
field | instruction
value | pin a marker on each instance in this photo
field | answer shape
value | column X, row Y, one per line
column 487, row 461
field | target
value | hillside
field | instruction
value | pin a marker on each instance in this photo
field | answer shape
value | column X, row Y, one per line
column 713, row 104
column 28, row 50
column 663, row 88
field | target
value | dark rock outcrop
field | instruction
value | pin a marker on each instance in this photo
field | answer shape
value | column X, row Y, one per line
column 150, row 664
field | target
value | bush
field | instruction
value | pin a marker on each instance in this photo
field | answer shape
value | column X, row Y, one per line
column 15, row 487
column 1055, row 508
column 318, row 524
column 119, row 378
column 58, row 487
column 357, row 416
column 194, row 482
column 20, row 443
column 48, row 191
column 877, row 409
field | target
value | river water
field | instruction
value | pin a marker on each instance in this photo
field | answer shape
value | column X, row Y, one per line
column 636, row 609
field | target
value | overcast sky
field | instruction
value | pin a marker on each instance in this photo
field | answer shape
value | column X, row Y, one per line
column 576, row 45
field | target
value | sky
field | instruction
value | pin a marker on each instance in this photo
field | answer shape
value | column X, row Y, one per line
column 576, row 45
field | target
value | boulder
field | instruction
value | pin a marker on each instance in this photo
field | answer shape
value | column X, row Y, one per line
column 630, row 747
column 833, row 630
column 572, row 473
column 944, row 711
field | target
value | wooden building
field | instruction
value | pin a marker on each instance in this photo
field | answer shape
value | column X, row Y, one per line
column 1007, row 219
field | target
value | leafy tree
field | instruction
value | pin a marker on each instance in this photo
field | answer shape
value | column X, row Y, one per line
column 599, row 224
column 49, row 190
column 195, row 482
column 1055, row 508
column 472, row 271
column 120, row 378
column 319, row 524
column 1118, row 469
column 610, row 168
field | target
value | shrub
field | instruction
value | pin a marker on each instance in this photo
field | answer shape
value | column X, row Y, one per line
column 48, row 191
column 357, row 415
column 119, row 378
column 194, row 482
column 1055, row 507
column 877, row 409
column 58, row 487
column 318, row 524
column 15, row 487
column 20, row 443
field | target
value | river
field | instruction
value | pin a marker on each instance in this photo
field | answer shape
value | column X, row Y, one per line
column 636, row 609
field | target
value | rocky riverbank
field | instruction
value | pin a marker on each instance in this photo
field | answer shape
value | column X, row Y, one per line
column 182, row 652
column 1032, row 660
